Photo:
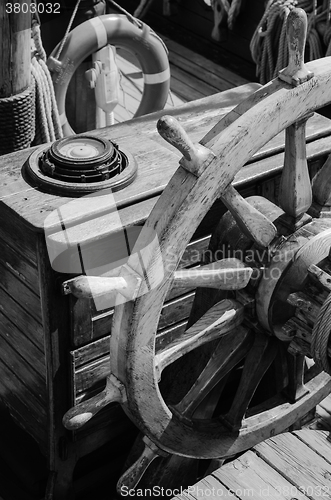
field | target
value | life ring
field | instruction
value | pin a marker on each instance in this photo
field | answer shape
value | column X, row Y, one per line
column 117, row 30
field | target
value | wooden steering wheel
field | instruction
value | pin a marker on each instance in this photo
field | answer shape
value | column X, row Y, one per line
column 250, row 327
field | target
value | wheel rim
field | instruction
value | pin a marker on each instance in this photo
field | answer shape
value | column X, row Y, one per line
column 235, row 147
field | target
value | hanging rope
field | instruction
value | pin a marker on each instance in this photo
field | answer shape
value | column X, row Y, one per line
column 269, row 47
column 47, row 120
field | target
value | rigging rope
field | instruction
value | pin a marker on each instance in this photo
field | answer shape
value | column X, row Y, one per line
column 321, row 335
column 47, row 121
column 268, row 45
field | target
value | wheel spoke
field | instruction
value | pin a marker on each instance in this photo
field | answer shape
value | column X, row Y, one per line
column 295, row 193
column 228, row 353
column 259, row 358
column 225, row 274
column 218, row 321
column 251, row 221
column 296, row 388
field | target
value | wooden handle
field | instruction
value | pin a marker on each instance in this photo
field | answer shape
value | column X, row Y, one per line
column 218, row 321
column 225, row 274
column 171, row 130
column 295, row 192
column 196, row 157
column 251, row 221
column 79, row 415
column 132, row 476
column 88, row 287
column 296, row 28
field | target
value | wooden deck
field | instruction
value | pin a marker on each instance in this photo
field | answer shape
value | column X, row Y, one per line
column 192, row 77
column 294, row 465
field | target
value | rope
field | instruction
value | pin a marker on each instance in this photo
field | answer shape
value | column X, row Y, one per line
column 68, row 29
column 48, row 126
column 233, row 12
column 320, row 336
column 268, row 46
column 131, row 18
column 17, row 118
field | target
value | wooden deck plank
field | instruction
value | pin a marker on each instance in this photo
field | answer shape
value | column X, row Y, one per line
column 296, row 461
column 250, row 476
column 192, row 77
column 190, row 61
column 288, row 466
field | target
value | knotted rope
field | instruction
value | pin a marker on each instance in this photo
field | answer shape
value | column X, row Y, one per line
column 320, row 336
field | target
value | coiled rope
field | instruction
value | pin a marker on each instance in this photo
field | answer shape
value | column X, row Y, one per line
column 269, row 48
column 320, row 336
column 17, row 118
column 47, row 120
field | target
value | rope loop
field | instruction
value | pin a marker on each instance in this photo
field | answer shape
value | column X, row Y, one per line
column 320, row 336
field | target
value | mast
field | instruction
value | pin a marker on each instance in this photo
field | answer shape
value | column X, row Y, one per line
column 16, row 89
column 15, row 58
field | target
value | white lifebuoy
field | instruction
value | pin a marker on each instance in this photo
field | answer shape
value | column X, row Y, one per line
column 117, row 30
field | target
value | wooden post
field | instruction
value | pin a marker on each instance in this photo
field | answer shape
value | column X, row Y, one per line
column 15, row 54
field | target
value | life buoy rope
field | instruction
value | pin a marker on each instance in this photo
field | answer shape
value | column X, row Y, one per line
column 119, row 31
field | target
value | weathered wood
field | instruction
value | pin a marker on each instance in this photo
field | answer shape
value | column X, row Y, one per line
column 258, row 360
column 297, row 462
column 252, row 474
column 232, row 147
column 292, row 465
column 218, row 321
column 226, row 274
column 295, row 194
column 321, row 276
column 15, row 59
column 195, row 156
column 296, row 30
column 228, row 353
column 134, row 473
column 79, row 415
column 295, row 388
column 252, row 222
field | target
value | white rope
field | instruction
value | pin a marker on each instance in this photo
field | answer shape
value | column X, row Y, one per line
column 68, row 29
column 48, row 126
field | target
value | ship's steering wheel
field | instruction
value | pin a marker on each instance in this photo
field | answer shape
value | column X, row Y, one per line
column 205, row 174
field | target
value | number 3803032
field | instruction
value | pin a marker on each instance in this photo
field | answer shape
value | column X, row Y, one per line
column 32, row 8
